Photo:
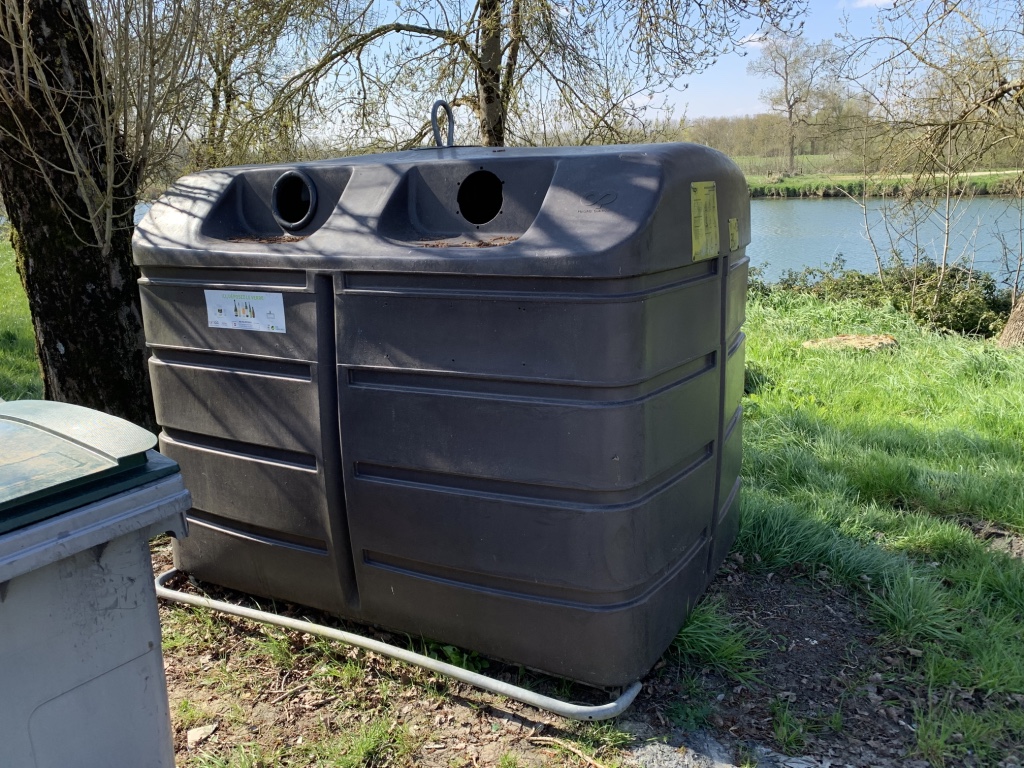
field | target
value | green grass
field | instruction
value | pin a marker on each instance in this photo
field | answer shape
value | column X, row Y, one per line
column 602, row 740
column 190, row 715
column 874, row 466
column 789, row 730
column 20, row 376
column 244, row 756
column 694, row 706
column 276, row 645
column 711, row 639
column 382, row 741
column 815, row 181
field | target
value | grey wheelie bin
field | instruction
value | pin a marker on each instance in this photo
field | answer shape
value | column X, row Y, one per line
column 486, row 396
column 81, row 670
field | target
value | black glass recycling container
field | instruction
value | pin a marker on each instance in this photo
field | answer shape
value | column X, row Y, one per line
column 486, row 396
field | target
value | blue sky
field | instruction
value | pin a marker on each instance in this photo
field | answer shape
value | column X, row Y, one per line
column 727, row 90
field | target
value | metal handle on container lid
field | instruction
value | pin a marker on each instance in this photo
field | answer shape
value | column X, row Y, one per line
column 442, row 104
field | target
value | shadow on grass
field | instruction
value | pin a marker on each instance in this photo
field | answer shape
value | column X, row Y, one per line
column 879, row 508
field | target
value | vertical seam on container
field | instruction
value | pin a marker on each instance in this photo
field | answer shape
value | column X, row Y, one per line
column 723, row 364
column 330, row 437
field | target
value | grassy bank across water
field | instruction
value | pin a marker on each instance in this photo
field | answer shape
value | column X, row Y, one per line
column 852, row 185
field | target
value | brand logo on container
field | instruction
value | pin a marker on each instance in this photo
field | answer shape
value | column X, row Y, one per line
column 595, row 202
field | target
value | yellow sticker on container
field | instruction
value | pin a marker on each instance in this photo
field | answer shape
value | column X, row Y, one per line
column 734, row 235
column 704, row 220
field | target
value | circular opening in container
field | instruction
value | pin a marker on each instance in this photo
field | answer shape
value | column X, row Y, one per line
column 480, row 197
column 293, row 201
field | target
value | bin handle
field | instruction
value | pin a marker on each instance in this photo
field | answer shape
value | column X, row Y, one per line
column 442, row 104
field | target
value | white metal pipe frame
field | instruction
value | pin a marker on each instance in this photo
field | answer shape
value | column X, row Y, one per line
column 515, row 692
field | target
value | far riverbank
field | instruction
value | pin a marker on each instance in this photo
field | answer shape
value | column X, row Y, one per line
column 1007, row 183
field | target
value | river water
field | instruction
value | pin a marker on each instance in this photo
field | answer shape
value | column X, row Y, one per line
column 794, row 234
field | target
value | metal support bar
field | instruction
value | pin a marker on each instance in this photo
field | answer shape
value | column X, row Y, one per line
column 562, row 708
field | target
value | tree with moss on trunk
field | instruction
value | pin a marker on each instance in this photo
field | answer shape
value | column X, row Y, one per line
column 96, row 99
column 87, row 105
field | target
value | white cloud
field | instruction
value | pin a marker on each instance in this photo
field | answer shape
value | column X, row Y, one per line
column 755, row 40
column 871, row 3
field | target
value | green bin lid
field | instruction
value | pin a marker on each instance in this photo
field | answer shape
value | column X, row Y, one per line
column 57, row 456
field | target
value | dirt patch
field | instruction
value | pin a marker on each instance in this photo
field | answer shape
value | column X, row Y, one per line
column 853, row 341
column 829, row 692
column 826, row 688
column 996, row 538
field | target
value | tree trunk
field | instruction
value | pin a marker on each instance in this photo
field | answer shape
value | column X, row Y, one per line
column 56, row 141
column 1013, row 333
column 488, row 76
column 792, row 146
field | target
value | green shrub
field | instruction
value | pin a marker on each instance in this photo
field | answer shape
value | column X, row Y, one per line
column 951, row 299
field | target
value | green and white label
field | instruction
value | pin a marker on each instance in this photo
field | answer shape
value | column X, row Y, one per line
column 704, row 220
column 245, row 311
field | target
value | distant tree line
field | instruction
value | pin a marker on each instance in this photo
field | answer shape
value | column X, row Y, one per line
column 938, row 89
